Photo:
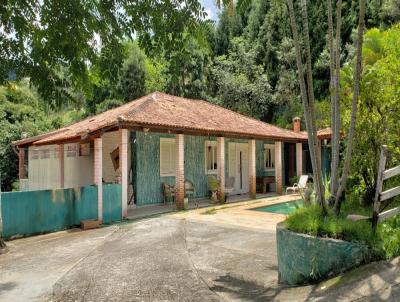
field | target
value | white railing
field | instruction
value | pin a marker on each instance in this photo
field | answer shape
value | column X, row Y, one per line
column 380, row 196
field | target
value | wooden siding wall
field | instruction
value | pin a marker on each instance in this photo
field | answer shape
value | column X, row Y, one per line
column 78, row 170
column 146, row 155
column 44, row 173
column 147, row 160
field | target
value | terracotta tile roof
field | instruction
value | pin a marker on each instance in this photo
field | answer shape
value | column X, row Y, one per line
column 324, row 133
column 163, row 111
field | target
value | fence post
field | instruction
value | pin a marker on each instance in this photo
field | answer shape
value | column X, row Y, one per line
column 379, row 184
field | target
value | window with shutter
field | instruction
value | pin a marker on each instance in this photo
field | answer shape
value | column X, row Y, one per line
column 211, row 157
column 269, row 157
column 167, row 157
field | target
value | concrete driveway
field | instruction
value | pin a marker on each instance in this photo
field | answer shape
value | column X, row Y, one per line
column 225, row 255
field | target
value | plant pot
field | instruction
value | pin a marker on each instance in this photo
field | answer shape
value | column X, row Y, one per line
column 214, row 197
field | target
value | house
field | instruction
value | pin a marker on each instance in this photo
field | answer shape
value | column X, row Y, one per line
column 158, row 139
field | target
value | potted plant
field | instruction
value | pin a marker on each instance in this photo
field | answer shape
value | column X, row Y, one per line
column 213, row 184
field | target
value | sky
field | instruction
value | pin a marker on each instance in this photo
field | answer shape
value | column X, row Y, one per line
column 210, row 8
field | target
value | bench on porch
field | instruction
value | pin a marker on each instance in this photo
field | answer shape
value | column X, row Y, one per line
column 263, row 183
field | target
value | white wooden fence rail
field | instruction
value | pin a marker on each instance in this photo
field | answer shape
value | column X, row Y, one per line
column 380, row 196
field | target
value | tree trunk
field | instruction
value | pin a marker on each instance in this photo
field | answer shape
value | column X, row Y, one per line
column 332, row 94
column 350, row 137
column 310, row 89
column 310, row 123
column 336, row 105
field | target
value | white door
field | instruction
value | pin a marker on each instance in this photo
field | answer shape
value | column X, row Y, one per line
column 239, row 167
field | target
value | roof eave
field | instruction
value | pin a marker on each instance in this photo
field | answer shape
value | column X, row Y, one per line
column 205, row 132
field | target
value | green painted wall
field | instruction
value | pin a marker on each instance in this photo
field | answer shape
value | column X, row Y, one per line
column 112, row 196
column 33, row 212
column 147, row 164
column 260, row 159
column 146, row 153
column 195, row 163
column 45, row 211
column 147, row 174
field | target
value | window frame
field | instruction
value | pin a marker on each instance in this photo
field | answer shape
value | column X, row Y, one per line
column 44, row 154
column 84, row 149
column 35, row 154
column 213, row 144
column 270, row 147
column 172, row 141
column 72, row 151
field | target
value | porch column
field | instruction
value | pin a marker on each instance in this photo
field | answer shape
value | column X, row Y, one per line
column 98, row 176
column 21, row 165
column 123, row 167
column 252, row 168
column 278, row 167
column 61, row 164
column 180, row 171
column 299, row 159
column 221, row 167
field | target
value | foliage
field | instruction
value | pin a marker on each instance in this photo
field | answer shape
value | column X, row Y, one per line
column 264, row 29
column 155, row 79
column 40, row 37
column 379, row 108
column 390, row 231
column 209, row 211
column 238, row 83
column 213, row 183
column 23, row 113
column 132, row 76
column 108, row 104
column 125, row 76
column 186, row 69
column 384, row 244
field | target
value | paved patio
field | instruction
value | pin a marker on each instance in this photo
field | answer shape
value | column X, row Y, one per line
column 227, row 254
column 135, row 212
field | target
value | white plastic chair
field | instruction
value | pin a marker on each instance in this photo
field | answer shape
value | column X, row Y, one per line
column 298, row 186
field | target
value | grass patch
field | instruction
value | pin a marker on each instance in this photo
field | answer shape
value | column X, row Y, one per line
column 209, row 211
column 385, row 243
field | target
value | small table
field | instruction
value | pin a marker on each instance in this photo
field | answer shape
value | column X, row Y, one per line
column 265, row 182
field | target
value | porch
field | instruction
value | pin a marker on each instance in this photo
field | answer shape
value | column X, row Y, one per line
column 139, row 212
column 141, row 162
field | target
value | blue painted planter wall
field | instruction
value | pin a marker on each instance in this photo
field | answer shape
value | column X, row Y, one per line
column 45, row 211
column 304, row 259
column 112, row 210
column 146, row 156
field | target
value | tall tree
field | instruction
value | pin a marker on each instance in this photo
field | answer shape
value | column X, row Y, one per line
column 335, row 77
column 307, row 94
column 353, row 117
column 131, row 82
column 332, row 70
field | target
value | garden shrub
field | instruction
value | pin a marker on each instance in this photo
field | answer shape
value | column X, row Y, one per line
column 385, row 243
